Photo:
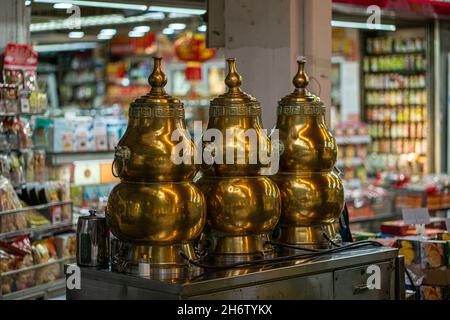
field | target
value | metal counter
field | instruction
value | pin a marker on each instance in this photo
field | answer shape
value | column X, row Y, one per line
column 337, row 276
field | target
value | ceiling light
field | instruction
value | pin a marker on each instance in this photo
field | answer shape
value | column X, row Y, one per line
column 168, row 31
column 177, row 26
column 155, row 15
column 202, row 28
column 62, row 5
column 135, row 34
column 100, row 4
column 142, row 28
column 89, row 21
column 108, row 32
column 362, row 25
column 102, row 36
column 177, row 10
column 76, row 34
column 72, row 46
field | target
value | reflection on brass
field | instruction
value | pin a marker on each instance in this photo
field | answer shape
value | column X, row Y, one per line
column 242, row 206
column 156, row 210
column 312, row 194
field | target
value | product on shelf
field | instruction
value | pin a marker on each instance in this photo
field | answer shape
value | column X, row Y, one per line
column 10, row 201
column 66, row 245
column 353, row 139
column 396, row 102
column 433, row 292
column 79, row 134
column 433, row 254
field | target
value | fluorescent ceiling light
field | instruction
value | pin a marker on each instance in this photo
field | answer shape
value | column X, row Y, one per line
column 102, row 36
column 362, row 25
column 177, row 10
column 73, row 46
column 168, row 31
column 177, row 26
column 89, row 21
column 141, row 29
column 135, row 34
column 108, row 32
column 202, row 28
column 62, row 5
column 155, row 15
column 76, row 34
column 99, row 4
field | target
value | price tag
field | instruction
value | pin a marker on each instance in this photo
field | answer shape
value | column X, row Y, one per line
column 416, row 216
column 447, row 223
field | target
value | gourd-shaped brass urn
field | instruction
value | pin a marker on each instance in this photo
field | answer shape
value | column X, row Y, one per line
column 312, row 194
column 156, row 210
column 243, row 206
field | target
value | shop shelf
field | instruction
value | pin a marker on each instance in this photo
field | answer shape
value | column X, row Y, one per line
column 46, row 291
column 353, row 140
column 379, row 217
column 394, row 53
column 401, row 72
column 59, row 158
column 40, row 230
column 394, row 89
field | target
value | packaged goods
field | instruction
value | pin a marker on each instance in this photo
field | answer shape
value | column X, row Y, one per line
column 66, row 245
column 410, row 249
column 10, row 201
column 433, row 293
column 100, row 136
column 432, row 254
column 62, row 135
column 20, row 66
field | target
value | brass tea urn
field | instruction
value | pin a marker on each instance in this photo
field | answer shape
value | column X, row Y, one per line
column 156, row 210
column 312, row 193
column 243, row 206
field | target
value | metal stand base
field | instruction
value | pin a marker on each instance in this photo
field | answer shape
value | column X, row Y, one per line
column 337, row 276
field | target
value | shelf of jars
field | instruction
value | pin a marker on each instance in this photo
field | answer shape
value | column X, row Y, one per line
column 395, row 98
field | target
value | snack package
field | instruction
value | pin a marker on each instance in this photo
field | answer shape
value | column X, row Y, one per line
column 409, row 247
column 66, row 245
column 83, row 134
column 10, row 201
column 44, row 252
column 433, row 293
column 20, row 66
column 24, row 279
column 100, row 136
column 62, row 135
column 432, row 254
column 39, row 165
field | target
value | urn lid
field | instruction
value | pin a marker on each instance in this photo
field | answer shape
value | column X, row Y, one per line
column 300, row 95
column 234, row 95
column 157, row 94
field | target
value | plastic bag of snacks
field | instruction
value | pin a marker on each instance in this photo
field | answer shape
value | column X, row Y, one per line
column 10, row 201
column 15, row 256
column 43, row 252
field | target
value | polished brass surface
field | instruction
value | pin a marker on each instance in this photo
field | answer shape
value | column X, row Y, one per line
column 312, row 194
column 159, row 213
column 236, row 112
column 153, row 261
column 243, row 207
column 144, row 152
column 156, row 209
